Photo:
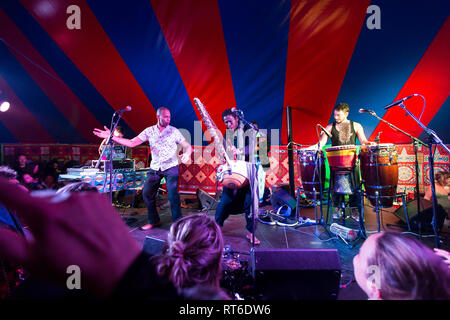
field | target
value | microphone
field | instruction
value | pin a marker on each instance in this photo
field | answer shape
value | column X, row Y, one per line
column 400, row 101
column 377, row 138
column 324, row 130
column 345, row 233
column 366, row 111
column 127, row 108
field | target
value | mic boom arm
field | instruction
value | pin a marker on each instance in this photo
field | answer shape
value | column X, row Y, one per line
column 394, row 127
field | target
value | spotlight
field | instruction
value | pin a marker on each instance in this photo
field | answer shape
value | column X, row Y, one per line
column 4, row 106
column 4, row 103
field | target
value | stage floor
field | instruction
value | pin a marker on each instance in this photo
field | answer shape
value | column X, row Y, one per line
column 282, row 237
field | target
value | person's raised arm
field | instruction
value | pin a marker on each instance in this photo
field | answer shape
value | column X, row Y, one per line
column 130, row 143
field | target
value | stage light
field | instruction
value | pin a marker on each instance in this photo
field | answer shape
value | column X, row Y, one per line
column 4, row 106
column 4, row 103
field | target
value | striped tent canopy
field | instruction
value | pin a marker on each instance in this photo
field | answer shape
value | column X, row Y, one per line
column 67, row 65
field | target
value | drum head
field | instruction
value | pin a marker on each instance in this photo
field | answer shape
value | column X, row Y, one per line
column 379, row 146
column 344, row 147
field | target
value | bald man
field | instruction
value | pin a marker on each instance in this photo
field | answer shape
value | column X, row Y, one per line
column 163, row 140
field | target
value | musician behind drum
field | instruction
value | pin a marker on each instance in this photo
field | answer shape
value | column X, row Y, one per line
column 344, row 132
column 119, row 151
column 237, row 145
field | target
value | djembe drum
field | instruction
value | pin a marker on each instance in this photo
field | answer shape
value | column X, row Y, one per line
column 342, row 161
column 379, row 170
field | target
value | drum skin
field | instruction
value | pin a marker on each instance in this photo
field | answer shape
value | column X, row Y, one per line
column 379, row 171
column 340, row 157
column 234, row 175
column 309, row 180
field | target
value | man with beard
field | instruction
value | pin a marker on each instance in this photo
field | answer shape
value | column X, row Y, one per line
column 344, row 132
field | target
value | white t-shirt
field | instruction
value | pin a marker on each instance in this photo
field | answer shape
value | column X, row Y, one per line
column 163, row 146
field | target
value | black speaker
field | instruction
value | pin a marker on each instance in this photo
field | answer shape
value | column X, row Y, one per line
column 426, row 214
column 296, row 274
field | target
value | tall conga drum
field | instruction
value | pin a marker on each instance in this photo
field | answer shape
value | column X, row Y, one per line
column 311, row 180
column 379, row 171
column 342, row 161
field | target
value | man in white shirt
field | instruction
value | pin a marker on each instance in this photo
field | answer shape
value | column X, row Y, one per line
column 163, row 140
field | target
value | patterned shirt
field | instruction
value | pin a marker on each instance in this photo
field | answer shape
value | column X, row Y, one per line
column 163, row 145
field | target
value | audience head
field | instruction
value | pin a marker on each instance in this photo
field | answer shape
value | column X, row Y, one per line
column 77, row 187
column 8, row 173
column 22, row 160
column 442, row 178
column 394, row 266
column 194, row 253
column 11, row 175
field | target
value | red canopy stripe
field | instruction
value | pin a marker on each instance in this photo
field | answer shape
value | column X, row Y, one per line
column 193, row 32
column 95, row 56
column 322, row 37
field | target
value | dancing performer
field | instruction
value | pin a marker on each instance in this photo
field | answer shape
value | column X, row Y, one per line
column 235, row 201
column 164, row 141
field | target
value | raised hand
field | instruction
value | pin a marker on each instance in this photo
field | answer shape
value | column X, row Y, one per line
column 102, row 133
column 79, row 229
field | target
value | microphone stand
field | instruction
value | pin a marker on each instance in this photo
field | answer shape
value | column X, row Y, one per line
column 317, row 168
column 109, row 144
column 432, row 138
column 253, row 173
column 415, row 142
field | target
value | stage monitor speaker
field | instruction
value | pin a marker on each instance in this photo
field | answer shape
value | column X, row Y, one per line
column 296, row 274
column 206, row 201
column 153, row 246
column 426, row 209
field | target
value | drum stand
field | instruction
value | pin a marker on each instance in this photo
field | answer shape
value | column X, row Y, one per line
column 378, row 197
column 378, row 207
column 416, row 143
column 317, row 169
column 356, row 190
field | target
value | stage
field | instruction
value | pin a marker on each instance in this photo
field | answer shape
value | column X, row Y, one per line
column 281, row 237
